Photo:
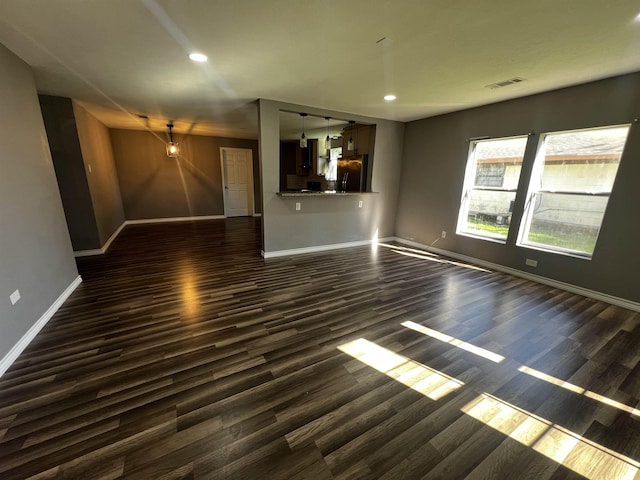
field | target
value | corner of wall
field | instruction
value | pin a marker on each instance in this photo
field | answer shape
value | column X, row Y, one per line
column 101, row 173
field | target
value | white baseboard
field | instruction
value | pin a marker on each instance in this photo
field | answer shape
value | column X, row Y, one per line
column 621, row 302
column 321, row 248
column 105, row 247
column 88, row 253
column 26, row 339
column 113, row 236
column 174, row 219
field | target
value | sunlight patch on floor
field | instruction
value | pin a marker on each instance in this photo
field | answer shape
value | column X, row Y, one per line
column 427, row 381
column 567, row 448
column 494, row 357
column 424, row 255
column 421, row 257
column 582, row 391
column 583, row 456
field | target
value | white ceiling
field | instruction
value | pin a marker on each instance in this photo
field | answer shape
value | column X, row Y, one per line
column 120, row 58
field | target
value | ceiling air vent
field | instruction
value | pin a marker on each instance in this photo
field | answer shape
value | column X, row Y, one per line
column 504, row 83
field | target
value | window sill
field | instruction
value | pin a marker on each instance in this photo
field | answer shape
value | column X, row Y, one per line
column 556, row 251
column 499, row 240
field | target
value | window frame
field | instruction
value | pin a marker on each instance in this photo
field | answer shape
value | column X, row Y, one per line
column 469, row 186
column 532, row 192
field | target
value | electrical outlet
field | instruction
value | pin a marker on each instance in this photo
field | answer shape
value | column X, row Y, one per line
column 444, row 234
column 531, row 263
column 15, row 296
column 360, row 204
column 298, row 206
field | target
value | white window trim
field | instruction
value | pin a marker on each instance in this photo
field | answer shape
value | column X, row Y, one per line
column 536, row 178
column 468, row 187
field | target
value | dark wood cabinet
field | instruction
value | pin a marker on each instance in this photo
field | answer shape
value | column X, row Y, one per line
column 363, row 137
column 307, row 158
column 287, row 162
column 299, row 162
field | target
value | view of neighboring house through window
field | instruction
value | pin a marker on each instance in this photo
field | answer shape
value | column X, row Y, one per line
column 489, row 192
column 570, row 186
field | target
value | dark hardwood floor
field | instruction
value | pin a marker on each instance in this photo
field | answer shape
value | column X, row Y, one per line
column 184, row 354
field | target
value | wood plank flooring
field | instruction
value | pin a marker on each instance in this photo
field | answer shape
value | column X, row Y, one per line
column 185, row 355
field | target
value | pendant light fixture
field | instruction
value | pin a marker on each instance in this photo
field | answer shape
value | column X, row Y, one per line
column 350, row 144
column 303, row 138
column 328, row 139
column 173, row 148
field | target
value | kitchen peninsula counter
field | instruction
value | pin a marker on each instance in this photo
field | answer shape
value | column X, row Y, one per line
column 325, row 193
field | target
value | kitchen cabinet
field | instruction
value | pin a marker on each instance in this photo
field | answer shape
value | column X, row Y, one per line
column 287, row 162
column 307, row 158
column 363, row 138
column 296, row 160
column 298, row 166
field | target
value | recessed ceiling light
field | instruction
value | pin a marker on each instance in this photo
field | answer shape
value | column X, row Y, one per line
column 389, row 98
column 198, row 57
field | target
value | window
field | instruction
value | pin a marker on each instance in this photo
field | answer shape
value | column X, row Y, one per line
column 491, row 181
column 570, row 186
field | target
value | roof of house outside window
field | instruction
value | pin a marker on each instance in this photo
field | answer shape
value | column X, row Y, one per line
column 587, row 145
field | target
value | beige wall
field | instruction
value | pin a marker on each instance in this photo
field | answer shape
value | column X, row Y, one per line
column 35, row 249
column 153, row 185
column 100, row 170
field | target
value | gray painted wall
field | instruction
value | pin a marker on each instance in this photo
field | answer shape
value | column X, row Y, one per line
column 60, row 123
column 100, row 170
column 35, row 249
column 327, row 220
column 434, row 160
column 156, row 186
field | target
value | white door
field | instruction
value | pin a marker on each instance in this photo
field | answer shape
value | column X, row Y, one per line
column 237, row 179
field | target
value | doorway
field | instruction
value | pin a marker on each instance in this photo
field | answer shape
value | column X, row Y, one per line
column 237, row 181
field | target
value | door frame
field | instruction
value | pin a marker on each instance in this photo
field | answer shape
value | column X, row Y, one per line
column 250, row 185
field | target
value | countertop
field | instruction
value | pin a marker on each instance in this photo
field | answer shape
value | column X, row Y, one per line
column 324, row 193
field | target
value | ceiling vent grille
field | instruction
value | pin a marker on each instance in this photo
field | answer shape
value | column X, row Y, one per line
column 504, row 83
